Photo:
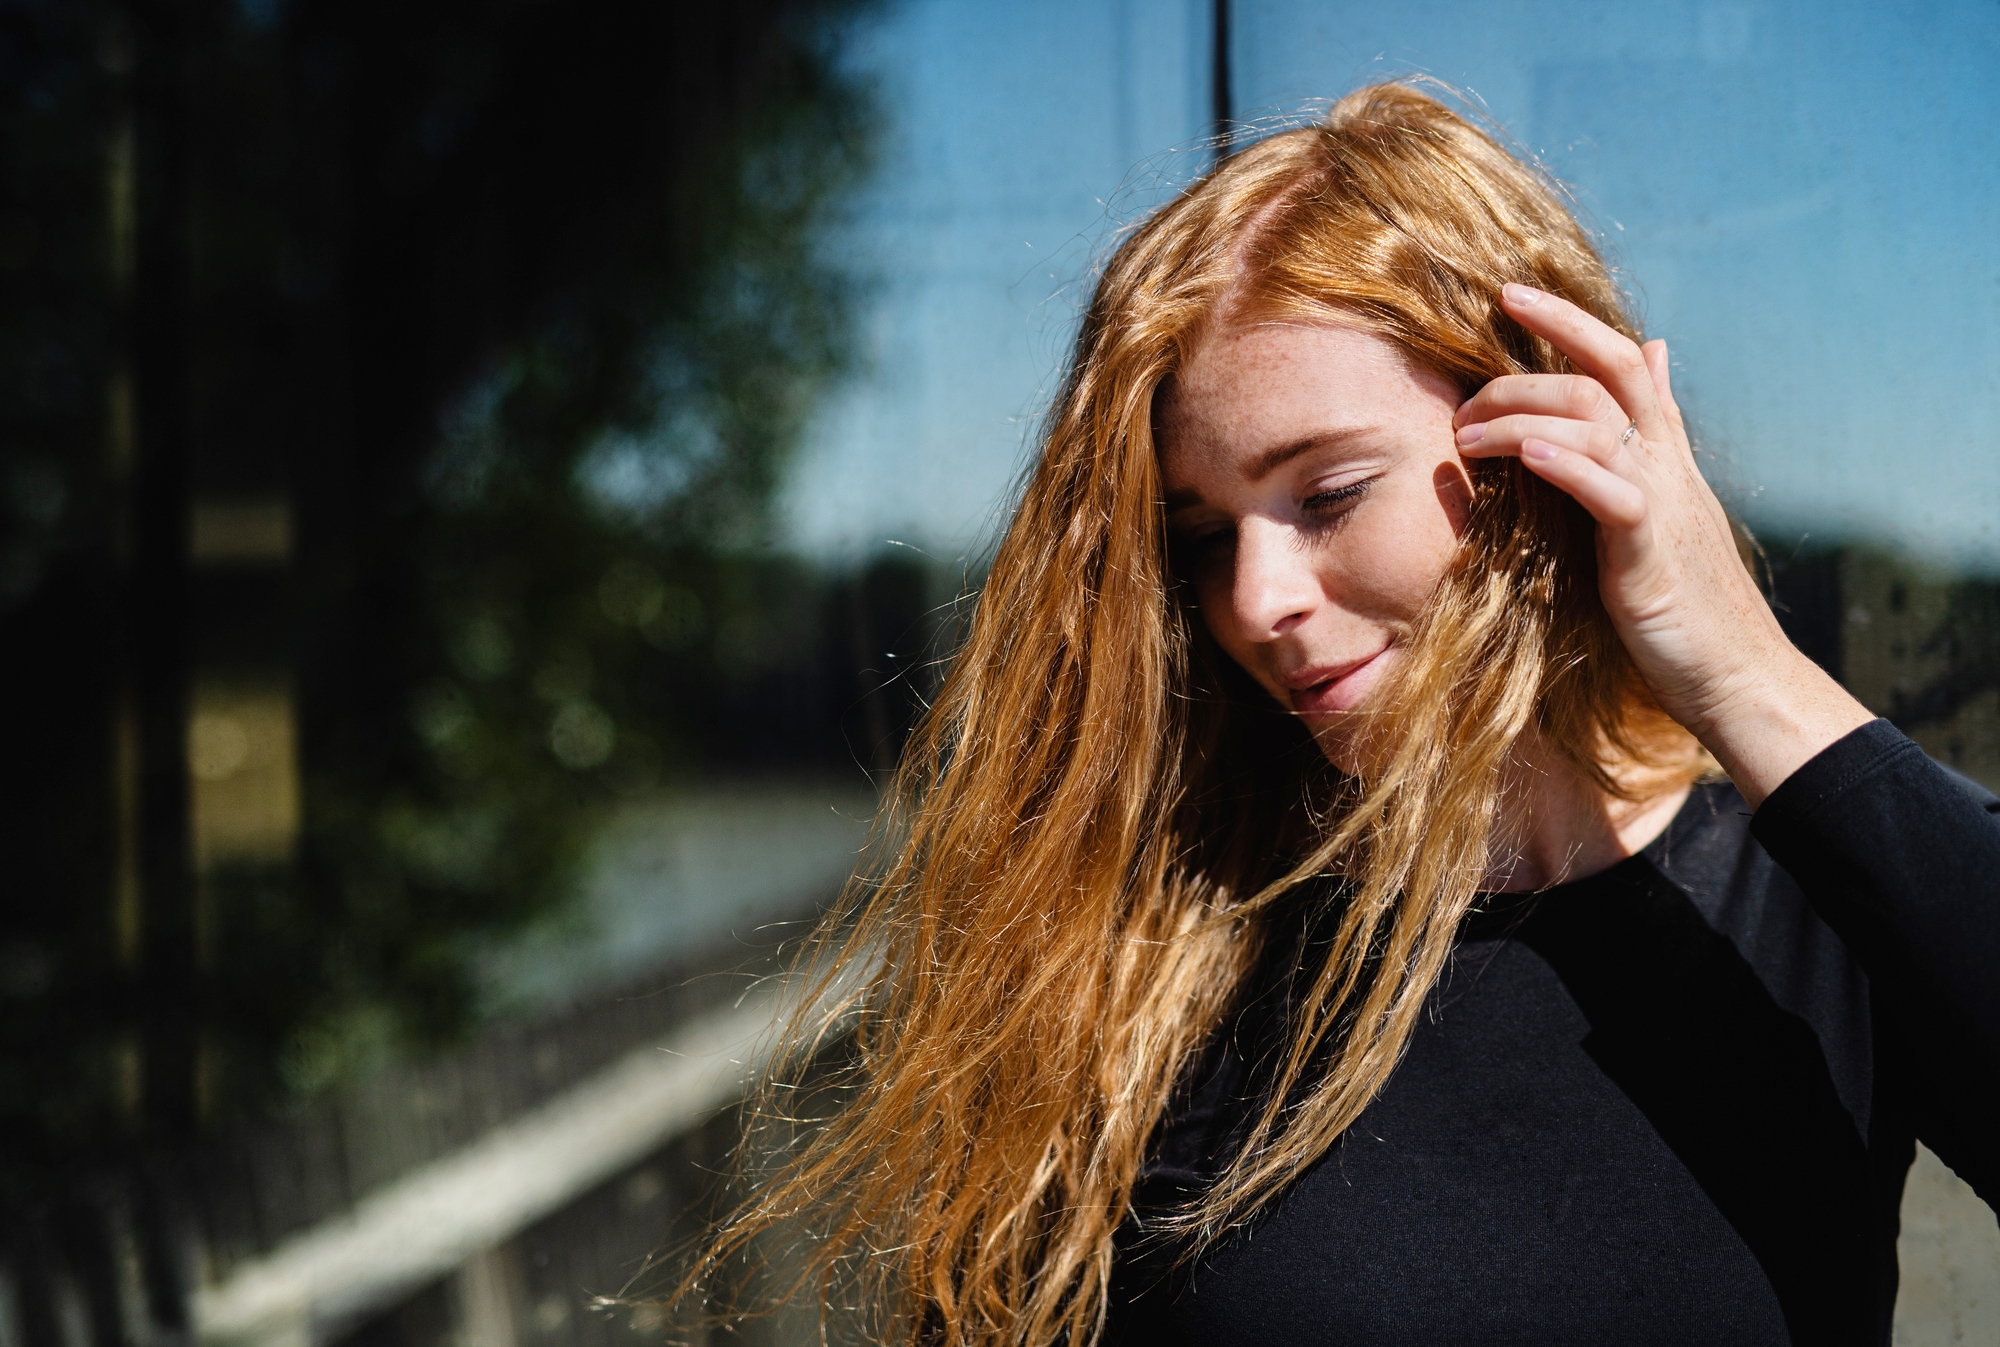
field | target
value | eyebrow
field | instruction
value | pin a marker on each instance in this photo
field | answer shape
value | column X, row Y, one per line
column 1272, row 459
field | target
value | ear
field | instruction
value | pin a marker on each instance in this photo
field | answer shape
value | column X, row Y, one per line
column 1454, row 493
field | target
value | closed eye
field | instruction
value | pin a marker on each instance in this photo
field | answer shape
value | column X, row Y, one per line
column 1205, row 547
column 1327, row 504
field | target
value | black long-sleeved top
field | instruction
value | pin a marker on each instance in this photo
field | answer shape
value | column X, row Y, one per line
column 1674, row 1102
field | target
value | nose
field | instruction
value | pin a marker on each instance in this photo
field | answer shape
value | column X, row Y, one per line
column 1274, row 588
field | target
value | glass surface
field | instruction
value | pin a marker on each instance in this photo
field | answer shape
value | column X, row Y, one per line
column 1799, row 196
column 523, row 459
column 1018, row 138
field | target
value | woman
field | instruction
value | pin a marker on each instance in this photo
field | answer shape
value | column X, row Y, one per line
column 1316, row 914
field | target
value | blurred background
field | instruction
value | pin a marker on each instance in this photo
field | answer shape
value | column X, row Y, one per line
column 483, row 487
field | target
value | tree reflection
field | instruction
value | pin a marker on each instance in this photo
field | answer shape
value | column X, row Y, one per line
column 505, row 317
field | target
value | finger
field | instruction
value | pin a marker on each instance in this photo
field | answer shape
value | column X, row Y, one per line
column 1506, row 435
column 1576, row 397
column 1611, row 500
column 1609, row 356
column 1661, row 368
column 1655, row 352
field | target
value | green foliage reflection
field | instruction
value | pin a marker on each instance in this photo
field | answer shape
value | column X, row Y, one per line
column 517, row 310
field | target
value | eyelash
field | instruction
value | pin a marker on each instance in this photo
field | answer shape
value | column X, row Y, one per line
column 1326, row 504
column 1341, row 495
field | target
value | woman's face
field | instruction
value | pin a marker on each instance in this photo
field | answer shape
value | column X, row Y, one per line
column 1316, row 495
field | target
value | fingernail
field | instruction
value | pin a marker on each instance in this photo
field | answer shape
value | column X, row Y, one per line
column 1537, row 450
column 1473, row 433
column 1522, row 295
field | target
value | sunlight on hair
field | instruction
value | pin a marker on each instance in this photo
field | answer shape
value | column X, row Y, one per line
column 1099, row 801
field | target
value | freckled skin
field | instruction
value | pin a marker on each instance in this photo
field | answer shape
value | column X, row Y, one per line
column 1322, row 561
column 1320, row 564
column 1315, row 487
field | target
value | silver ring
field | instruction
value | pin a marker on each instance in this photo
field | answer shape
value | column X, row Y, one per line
column 1630, row 431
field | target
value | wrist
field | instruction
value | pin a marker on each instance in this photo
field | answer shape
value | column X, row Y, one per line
column 1767, row 723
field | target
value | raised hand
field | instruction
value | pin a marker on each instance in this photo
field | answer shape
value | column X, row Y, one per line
column 1672, row 581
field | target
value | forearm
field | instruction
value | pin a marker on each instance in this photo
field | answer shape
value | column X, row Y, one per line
column 1777, row 722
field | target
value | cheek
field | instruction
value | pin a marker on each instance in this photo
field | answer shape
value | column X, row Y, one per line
column 1395, row 556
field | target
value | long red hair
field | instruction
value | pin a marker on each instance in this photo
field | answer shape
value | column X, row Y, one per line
column 1087, row 824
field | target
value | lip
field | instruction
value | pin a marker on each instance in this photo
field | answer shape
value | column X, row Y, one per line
column 1329, row 689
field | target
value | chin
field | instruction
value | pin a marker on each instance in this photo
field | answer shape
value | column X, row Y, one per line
column 1336, row 738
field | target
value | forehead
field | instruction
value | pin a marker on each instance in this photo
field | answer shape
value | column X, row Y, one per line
column 1245, row 378
column 1252, row 389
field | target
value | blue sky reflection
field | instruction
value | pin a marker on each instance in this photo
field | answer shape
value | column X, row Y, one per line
column 1802, row 198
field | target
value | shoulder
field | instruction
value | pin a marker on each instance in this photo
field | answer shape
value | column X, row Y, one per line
column 1709, row 854
column 1708, row 843
column 1710, row 850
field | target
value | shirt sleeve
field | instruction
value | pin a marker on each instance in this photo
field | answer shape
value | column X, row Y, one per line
column 1902, row 860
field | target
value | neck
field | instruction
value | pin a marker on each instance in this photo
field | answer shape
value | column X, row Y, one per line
column 1558, row 825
